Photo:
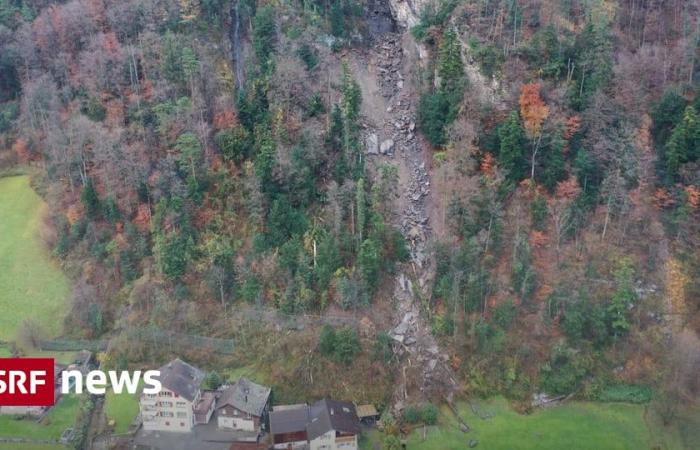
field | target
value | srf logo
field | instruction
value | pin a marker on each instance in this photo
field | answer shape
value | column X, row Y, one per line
column 26, row 382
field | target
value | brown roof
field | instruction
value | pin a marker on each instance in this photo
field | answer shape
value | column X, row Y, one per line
column 326, row 415
column 289, row 419
column 204, row 403
column 181, row 378
column 245, row 396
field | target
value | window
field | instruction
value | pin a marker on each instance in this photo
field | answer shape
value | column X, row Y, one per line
column 181, row 404
column 181, row 415
column 166, row 414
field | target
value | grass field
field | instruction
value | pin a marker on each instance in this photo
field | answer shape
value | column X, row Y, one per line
column 60, row 417
column 122, row 409
column 573, row 426
column 31, row 284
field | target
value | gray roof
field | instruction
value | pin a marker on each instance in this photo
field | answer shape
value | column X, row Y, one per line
column 181, row 378
column 289, row 420
column 326, row 415
column 245, row 396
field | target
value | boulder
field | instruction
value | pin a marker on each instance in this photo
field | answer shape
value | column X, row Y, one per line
column 386, row 146
column 372, row 144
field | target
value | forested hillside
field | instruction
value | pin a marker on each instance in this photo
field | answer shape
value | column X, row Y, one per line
column 506, row 191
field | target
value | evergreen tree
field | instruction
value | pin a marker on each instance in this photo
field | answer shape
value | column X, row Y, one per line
column 264, row 35
column 369, row 260
column 450, row 66
column 90, row 200
column 171, row 59
column 511, row 156
column 622, row 299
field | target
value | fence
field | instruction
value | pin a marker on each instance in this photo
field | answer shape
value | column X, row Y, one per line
column 172, row 339
column 68, row 345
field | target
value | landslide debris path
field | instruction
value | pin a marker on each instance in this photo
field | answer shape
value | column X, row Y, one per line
column 425, row 371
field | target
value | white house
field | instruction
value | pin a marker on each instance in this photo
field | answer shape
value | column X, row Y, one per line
column 243, row 406
column 180, row 404
column 333, row 425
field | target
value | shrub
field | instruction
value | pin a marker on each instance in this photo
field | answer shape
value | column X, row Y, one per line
column 411, row 414
column 434, row 114
column 327, row 340
column 629, row 393
column 538, row 212
column 308, row 56
column 383, row 348
column 429, row 414
column 504, row 314
column 315, row 106
column 347, row 346
column 565, row 371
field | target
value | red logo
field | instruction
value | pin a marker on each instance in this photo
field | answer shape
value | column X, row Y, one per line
column 27, row 382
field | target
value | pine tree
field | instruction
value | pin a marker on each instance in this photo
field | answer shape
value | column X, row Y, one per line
column 90, row 200
column 512, row 145
column 450, row 66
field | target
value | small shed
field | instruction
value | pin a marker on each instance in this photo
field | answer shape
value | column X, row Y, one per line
column 367, row 414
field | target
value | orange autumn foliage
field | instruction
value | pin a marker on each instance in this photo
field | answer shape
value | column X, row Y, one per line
column 488, row 164
column 693, row 196
column 568, row 189
column 533, row 110
column 224, row 119
column 142, row 221
column 662, row 199
column 538, row 239
column 74, row 213
column 573, row 124
column 22, row 150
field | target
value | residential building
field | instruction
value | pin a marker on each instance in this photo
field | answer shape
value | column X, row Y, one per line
column 243, row 406
column 325, row 425
column 288, row 427
column 180, row 404
column 333, row 425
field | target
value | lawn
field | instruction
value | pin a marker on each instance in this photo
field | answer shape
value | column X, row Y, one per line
column 32, row 285
column 61, row 416
column 122, row 409
column 573, row 426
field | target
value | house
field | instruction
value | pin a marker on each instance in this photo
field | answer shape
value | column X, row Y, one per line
column 325, row 425
column 288, row 426
column 243, row 406
column 36, row 411
column 180, row 404
column 333, row 425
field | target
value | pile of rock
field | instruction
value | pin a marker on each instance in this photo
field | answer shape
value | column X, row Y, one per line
column 389, row 60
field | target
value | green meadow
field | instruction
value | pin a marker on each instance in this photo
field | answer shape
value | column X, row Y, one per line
column 32, row 284
column 61, row 417
column 572, row 426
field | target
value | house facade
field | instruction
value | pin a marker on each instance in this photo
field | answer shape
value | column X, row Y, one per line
column 333, row 425
column 325, row 425
column 243, row 406
column 180, row 404
column 288, row 427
